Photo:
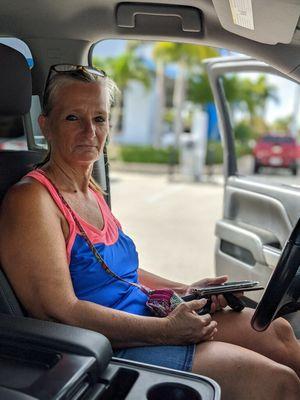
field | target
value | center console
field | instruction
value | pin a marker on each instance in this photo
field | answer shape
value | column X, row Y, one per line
column 50, row 361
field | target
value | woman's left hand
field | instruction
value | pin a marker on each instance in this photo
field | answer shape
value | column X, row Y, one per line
column 218, row 302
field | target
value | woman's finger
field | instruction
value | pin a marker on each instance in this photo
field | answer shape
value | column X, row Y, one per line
column 205, row 319
column 212, row 336
column 195, row 305
column 209, row 330
column 216, row 281
column 222, row 301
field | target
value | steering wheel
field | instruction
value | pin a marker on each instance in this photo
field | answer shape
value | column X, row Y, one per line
column 283, row 290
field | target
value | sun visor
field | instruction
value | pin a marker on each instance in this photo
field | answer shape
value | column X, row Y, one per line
column 265, row 21
column 15, row 82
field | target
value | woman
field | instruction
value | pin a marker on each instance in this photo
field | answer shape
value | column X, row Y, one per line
column 41, row 244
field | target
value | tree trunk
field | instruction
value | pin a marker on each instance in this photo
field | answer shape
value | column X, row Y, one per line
column 160, row 104
column 178, row 102
column 293, row 125
column 116, row 112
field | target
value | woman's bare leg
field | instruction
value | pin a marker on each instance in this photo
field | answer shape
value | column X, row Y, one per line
column 278, row 342
column 244, row 374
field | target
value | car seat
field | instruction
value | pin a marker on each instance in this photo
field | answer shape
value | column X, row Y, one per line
column 15, row 100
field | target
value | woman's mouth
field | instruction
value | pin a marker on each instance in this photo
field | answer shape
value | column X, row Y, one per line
column 87, row 146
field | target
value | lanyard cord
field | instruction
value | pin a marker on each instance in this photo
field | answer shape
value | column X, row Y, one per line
column 90, row 244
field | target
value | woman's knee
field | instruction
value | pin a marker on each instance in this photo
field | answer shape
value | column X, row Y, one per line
column 283, row 330
column 288, row 383
column 286, row 342
column 254, row 374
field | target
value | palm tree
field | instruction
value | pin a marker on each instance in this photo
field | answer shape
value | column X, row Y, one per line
column 187, row 57
column 244, row 94
column 123, row 69
column 254, row 94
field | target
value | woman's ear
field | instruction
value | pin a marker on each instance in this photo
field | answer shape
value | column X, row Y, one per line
column 44, row 126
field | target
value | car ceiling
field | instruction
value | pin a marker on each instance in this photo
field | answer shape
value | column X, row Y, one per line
column 56, row 29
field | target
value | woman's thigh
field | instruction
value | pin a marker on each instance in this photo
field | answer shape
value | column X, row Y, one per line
column 278, row 342
column 244, row 374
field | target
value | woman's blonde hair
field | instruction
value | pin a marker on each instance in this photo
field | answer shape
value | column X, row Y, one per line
column 64, row 78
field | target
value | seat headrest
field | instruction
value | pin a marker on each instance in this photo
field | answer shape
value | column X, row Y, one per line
column 15, row 82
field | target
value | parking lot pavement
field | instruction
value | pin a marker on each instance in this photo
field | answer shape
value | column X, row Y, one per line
column 172, row 223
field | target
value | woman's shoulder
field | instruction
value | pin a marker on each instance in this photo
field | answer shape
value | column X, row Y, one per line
column 25, row 194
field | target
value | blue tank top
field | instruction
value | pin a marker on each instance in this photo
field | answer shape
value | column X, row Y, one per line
column 90, row 281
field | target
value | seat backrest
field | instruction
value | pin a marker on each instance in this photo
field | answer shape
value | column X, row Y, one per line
column 13, row 165
column 15, row 100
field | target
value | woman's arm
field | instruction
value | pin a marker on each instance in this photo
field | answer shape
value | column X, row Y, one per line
column 157, row 282
column 33, row 255
column 153, row 281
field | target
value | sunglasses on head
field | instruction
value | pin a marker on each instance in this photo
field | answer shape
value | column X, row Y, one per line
column 65, row 68
column 72, row 68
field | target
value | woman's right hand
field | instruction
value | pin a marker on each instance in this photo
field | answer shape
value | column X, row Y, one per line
column 185, row 326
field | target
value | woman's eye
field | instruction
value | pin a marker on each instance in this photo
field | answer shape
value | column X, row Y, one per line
column 100, row 119
column 71, row 117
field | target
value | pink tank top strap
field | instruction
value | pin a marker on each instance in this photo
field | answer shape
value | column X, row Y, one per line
column 41, row 177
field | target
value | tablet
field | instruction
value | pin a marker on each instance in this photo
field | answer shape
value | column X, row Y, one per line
column 237, row 286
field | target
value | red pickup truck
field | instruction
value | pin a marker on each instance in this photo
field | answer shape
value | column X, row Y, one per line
column 277, row 152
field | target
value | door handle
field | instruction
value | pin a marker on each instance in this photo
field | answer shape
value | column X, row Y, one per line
column 272, row 255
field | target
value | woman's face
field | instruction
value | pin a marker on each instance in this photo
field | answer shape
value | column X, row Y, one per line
column 77, row 125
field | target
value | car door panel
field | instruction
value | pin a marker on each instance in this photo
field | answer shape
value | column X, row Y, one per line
column 258, row 216
column 255, row 225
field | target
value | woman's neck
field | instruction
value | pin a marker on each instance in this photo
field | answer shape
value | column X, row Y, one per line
column 69, row 178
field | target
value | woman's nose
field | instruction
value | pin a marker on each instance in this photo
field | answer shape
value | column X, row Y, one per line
column 89, row 128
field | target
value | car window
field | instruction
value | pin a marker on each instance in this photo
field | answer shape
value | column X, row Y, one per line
column 12, row 129
column 12, row 134
column 158, row 178
column 264, row 113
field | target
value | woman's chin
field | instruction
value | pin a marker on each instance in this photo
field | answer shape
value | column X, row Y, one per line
column 85, row 159
column 87, row 154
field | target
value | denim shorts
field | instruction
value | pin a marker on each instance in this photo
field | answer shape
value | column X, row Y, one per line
column 176, row 357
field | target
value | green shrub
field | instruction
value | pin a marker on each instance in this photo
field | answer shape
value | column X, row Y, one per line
column 242, row 149
column 214, row 154
column 243, row 132
column 148, row 154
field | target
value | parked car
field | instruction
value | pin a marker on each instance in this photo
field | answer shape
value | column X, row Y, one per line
column 275, row 151
column 47, row 360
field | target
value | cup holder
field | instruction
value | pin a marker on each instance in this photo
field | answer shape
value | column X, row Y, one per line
column 172, row 391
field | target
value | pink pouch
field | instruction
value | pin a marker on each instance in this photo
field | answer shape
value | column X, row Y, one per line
column 163, row 301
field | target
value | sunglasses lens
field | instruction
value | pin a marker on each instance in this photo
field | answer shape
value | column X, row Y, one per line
column 94, row 71
column 71, row 68
column 65, row 68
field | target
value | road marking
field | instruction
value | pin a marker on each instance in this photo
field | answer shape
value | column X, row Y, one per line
column 164, row 193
